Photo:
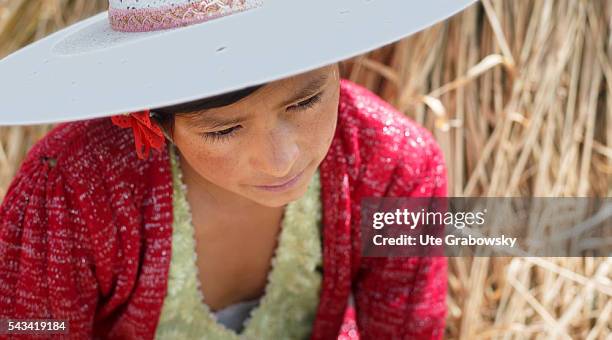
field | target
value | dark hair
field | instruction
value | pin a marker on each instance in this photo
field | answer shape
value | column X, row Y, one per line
column 165, row 115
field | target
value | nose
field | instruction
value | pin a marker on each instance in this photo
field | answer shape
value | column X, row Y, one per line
column 276, row 153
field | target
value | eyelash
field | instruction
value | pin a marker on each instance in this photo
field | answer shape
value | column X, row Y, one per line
column 310, row 102
column 228, row 133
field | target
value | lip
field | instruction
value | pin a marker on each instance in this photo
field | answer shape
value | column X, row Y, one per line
column 282, row 187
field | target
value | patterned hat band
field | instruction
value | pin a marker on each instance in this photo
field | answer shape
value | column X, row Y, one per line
column 155, row 15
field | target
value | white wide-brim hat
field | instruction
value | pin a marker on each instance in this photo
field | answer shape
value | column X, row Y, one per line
column 186, row 50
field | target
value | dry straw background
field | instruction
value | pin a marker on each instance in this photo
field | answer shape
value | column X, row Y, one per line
column 519, row 95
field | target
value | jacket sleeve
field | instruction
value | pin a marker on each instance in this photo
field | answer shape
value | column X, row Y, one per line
column 45, row 264
column 405, row 297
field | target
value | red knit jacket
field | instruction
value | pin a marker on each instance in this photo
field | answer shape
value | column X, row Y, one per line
column 85, row 229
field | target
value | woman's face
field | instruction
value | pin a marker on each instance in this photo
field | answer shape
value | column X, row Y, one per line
column 238, row 153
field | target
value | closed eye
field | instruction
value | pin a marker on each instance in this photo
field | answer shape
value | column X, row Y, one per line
column 227, row 133
column 308, row 103
column 217, row 136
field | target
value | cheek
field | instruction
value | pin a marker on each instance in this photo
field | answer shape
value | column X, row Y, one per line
column 332, row 121
column 318, row 132
column 217, row 169
column 220, row 168
column 329, row 120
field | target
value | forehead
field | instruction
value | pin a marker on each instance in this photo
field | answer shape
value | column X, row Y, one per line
column 279, row 92
column 272, row 96
column 289, row 85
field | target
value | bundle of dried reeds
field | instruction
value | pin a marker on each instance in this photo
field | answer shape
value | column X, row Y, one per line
column 519, row 96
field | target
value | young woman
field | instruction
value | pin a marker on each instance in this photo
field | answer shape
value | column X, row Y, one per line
column 244, row 224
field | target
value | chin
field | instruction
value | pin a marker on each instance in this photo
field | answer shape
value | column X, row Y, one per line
column 281, row 199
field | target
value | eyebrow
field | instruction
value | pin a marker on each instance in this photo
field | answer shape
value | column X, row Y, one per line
column 204, row 120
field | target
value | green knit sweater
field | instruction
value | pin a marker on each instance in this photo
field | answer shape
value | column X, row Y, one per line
column 288, row 307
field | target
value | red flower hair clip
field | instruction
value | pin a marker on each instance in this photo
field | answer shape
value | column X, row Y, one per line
column 146, row 133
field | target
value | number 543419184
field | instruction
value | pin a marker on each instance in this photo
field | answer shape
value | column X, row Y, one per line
column 33, row 326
